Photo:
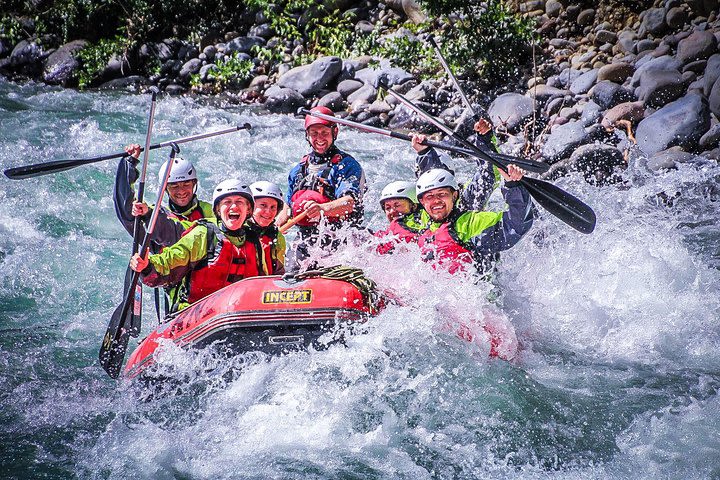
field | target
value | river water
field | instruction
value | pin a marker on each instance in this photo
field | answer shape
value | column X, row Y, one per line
column 617, row 374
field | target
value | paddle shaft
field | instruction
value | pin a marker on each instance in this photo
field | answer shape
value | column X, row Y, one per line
column 563, row 205
column 143, row 171
column 501, row 158
column 114, row 346
column 55, row 166
column 438, row 53
column 290, row 223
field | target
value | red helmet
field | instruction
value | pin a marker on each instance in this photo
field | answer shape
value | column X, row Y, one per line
column 310, row 120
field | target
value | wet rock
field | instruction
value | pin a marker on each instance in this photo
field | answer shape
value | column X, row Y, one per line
column 366, row 94
column 244, row 44
column 310, row 79
column 630, row 111
column 423, row 92
column 653, row 22
column 608, row 94
column 378, row 107
column 553, row 8
column 189, row 68
column 586, row 17
column 511, row 110
column 605, row 36
column 616, row 72
column 590, row 114
column 388, row 76
column 263, row 30
column 660, row 87
column 676, row 17
column 714, row 98
column 283, row 100
column 346, row 87
column 626, row 41
column 698, row 66
column 711, row 139
column 669, row 159
column 133, row 82
column 333, row 100
column 562, row 140
column 26, row 52
column 61, row 65
column 543, row 93
column 597, row 163
column 700, row 45
column 665, row 62
column 175, row 89
column 584, row 82
column 645, row 45
column 681, row 122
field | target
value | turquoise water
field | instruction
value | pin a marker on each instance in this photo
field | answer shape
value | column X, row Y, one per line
column 617, row 376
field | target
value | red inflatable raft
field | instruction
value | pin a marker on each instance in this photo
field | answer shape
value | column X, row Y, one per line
column 260, row 314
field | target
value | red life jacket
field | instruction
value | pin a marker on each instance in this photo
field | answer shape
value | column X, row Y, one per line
column 399, row 233
column 314, row 187
column 225, row 264
column 267, row 242
column 195, row 215
column 445, row 248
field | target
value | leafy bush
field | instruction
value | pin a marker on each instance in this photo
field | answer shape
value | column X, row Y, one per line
column 486, row 39
column 232, row 72
column 94, row 57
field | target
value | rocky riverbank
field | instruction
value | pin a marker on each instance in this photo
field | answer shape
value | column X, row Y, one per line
column 606, row 78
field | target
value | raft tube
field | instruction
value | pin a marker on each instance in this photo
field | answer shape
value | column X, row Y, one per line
column 264, row 314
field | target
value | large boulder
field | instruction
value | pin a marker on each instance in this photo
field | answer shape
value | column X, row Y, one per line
column 653, row 22
column 310, row 79
column 244, row 44
column 712, row 73
column 615, row 72
column 562, row 140
column 700, row 45
column 511, row 110
column 60, row 66
column 660, row 87
column 283, row 100
column 608, row 94
column 681, row 122
column 26, row 52
column 665, row 62
column 385, row 76
column 714, row 98
column 584, row 82
column 630, row 111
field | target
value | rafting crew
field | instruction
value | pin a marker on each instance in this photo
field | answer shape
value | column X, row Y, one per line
column 456, row 237
column 398, row 200
column 268, row 204
column 328, row 184
column 212, row 253
column 183, row 204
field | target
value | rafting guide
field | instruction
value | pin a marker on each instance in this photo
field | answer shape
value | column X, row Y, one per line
column 326, row 184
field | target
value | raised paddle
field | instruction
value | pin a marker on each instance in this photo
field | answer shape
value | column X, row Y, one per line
column 501, row 158
column 55, row 166
column 115, row 341
column 555, row 200
column 137, row 228
column 137, row 300
column 438, row 53
column 290, row 223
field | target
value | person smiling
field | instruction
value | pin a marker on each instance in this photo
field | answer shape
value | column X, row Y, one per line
column 183, row 204
column 456, row 238
column 326, row 183
column 209, row 256
column 268, row 203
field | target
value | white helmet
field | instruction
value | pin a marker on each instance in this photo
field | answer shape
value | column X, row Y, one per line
column 232, row 186
column 435, row 178
column 263, row 189
column 398, row 189
column 181, row 171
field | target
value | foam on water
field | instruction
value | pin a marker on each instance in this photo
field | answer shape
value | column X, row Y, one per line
column 616, row 376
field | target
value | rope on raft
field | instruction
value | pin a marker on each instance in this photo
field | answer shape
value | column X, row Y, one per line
column 354, row 276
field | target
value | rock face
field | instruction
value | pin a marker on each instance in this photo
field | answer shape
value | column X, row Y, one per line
column 310, row 79
column 61, row 65
column 682, row 122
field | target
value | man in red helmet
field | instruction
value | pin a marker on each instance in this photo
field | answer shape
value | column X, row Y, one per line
column 327, row 183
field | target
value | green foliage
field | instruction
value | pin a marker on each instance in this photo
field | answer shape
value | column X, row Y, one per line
column 232, row 72
column 486, row 39
column 94, row 57
column 11, row 29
